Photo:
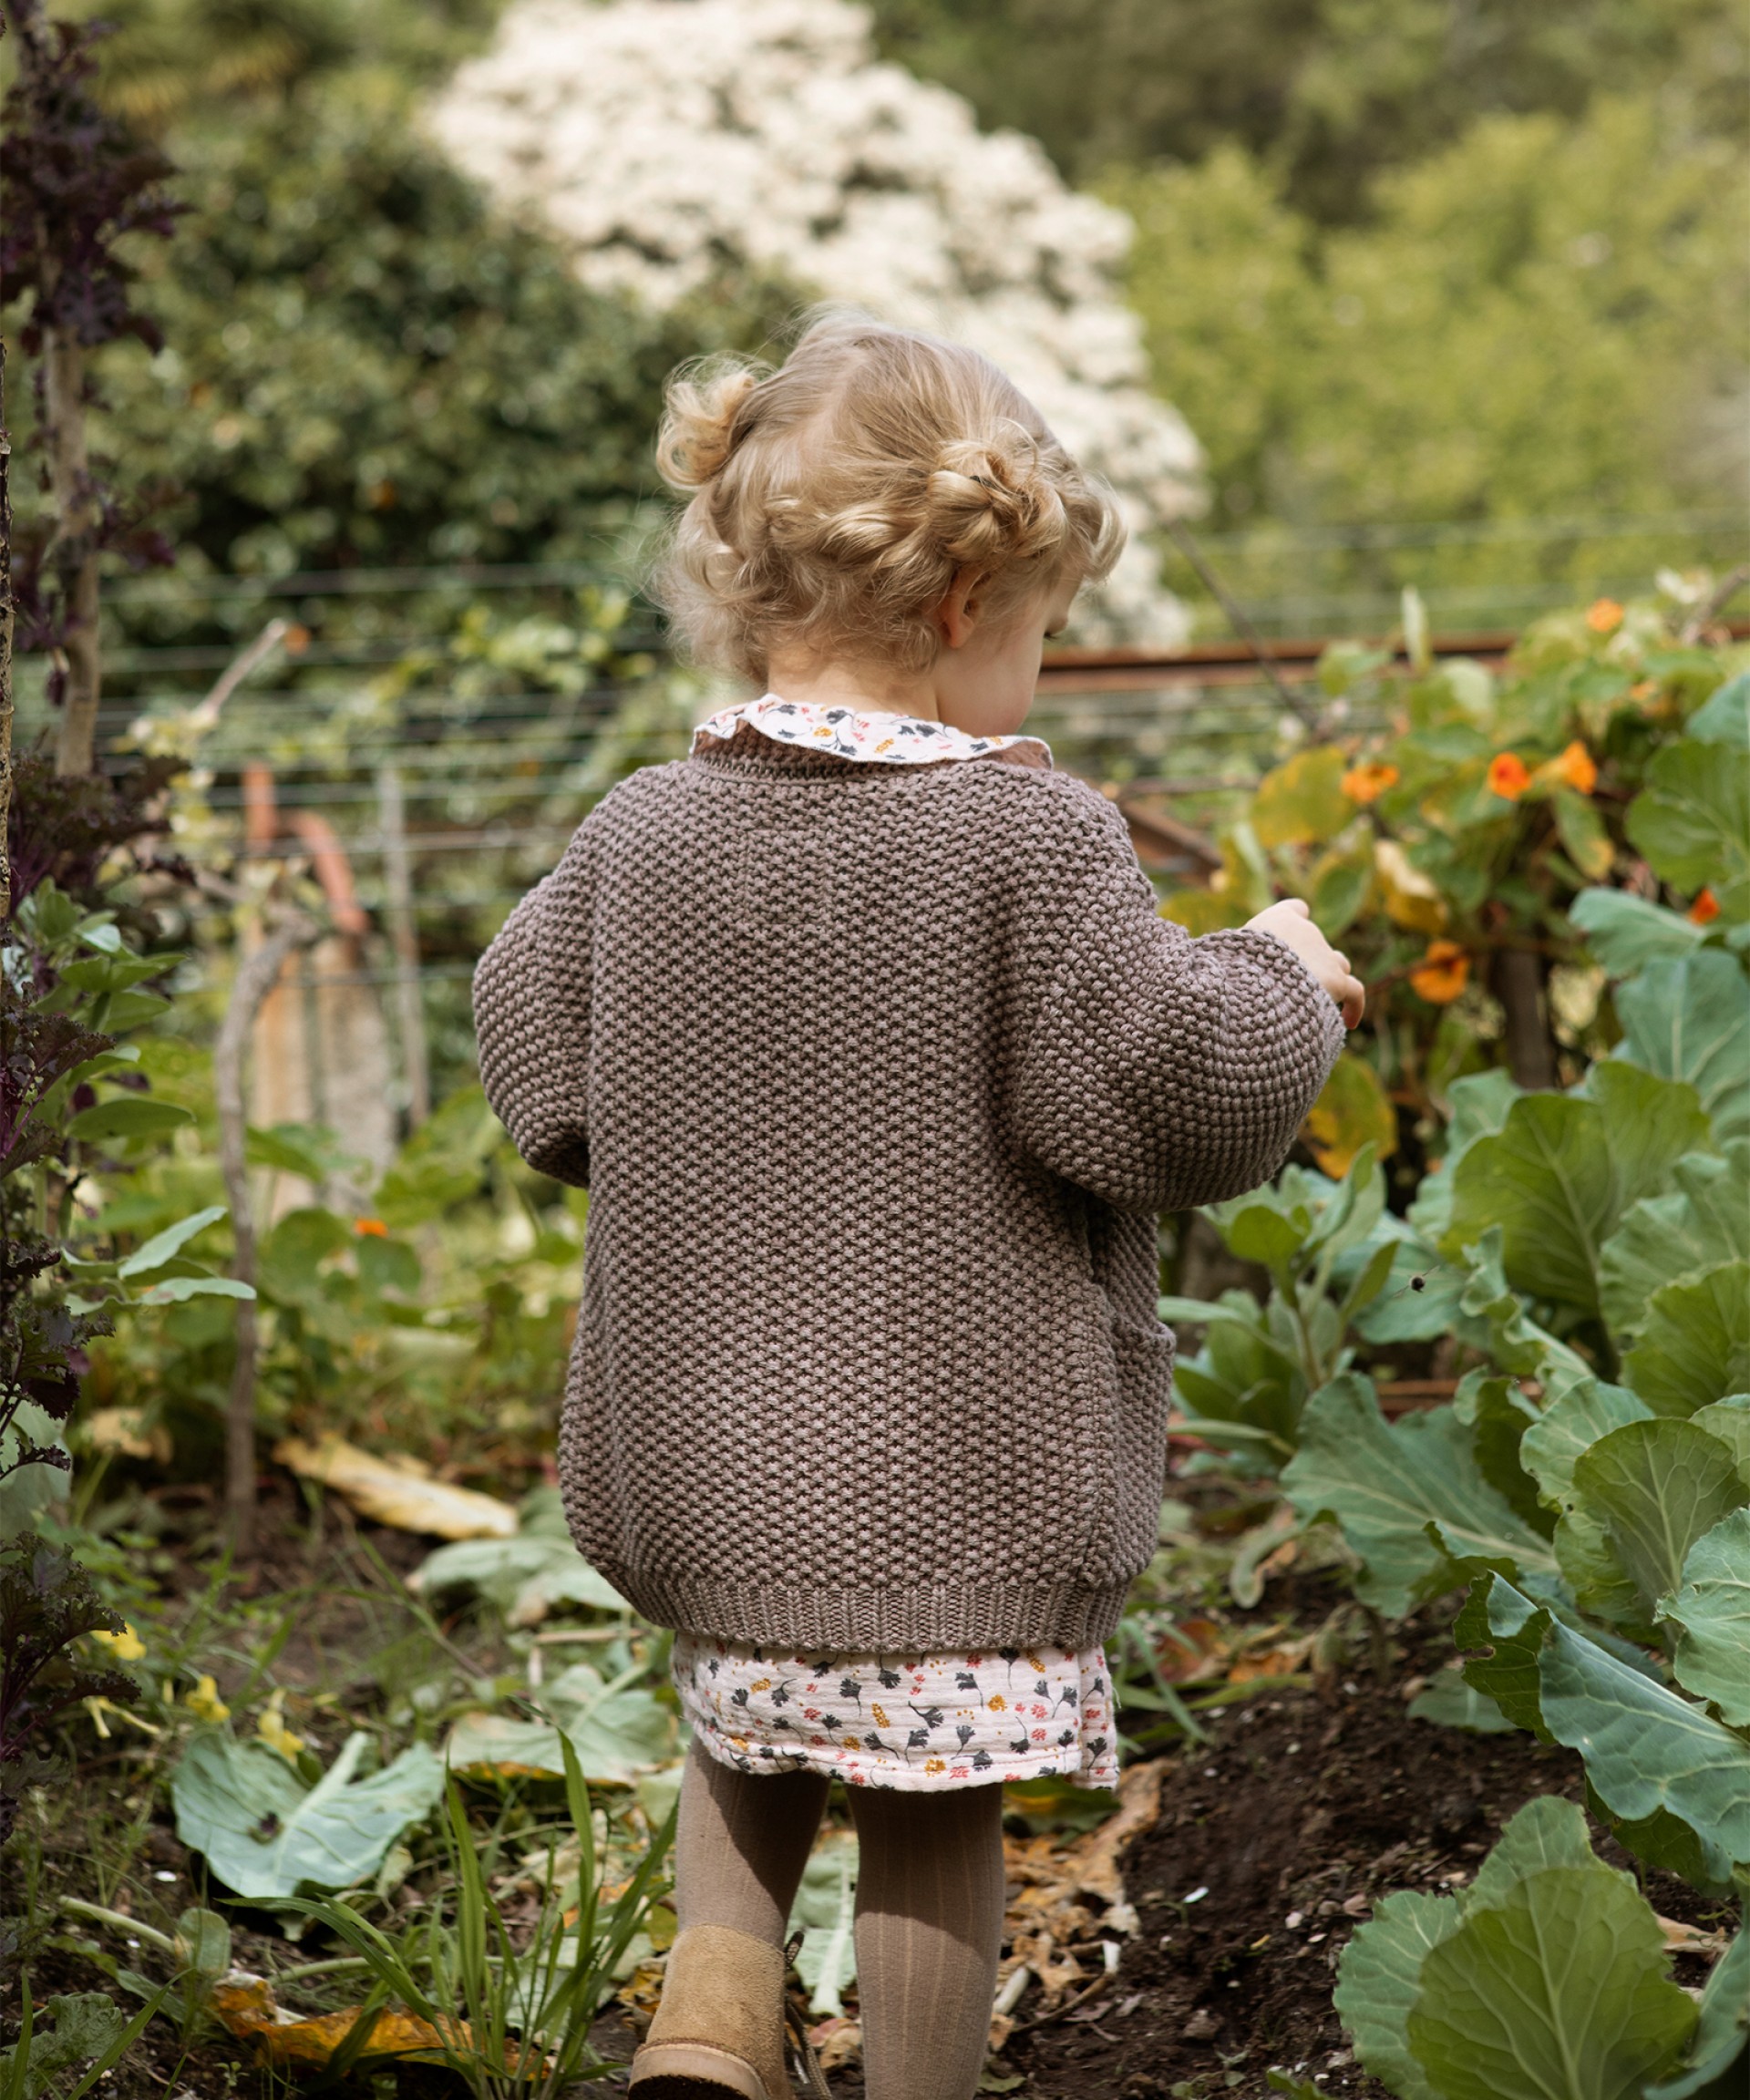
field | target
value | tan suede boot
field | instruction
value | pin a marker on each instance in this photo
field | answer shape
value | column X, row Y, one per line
column 719, row 2029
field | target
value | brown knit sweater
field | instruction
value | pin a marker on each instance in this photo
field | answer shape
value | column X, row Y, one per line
column 874, row 1366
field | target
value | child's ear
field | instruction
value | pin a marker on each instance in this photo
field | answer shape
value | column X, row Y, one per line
column 958, row 613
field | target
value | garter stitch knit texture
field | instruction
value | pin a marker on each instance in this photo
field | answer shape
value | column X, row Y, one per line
column 1006, row 1063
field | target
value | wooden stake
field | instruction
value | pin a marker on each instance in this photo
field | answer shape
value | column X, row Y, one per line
column 6, row 651
column 256, row 976
column 410, row 1006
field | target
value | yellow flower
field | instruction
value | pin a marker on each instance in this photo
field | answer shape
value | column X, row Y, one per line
column 998, row 1704
column 1369, row 780
column 850, row 1741
column 880, row 1716
column 760, row 1685
column 98, row 1708
column 205, row 1704
column 935, row 1764
column 1576, row 768
column 125, row 1646
column 273, row 1730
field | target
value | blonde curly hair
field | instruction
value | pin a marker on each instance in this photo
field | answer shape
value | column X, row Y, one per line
column 835, row 498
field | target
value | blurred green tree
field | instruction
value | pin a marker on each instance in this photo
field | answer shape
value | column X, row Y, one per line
column 1329, row 92
column 367, row 365
column 165, row 60
column 1545, row 319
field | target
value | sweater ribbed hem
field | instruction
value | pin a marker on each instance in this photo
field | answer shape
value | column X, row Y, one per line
column 923, row 1620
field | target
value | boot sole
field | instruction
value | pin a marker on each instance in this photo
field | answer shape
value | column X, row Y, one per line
column 693, row 2071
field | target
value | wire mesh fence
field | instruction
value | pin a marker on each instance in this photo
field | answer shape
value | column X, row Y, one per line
column 437, row 733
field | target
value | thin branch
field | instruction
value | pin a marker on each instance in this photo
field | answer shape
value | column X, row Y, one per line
column 1241, row 624
column 256, row 976
column 5, row 645
column 1714, row 603
column 205, row 717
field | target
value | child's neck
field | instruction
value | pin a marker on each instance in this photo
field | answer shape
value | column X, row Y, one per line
column 868, row 688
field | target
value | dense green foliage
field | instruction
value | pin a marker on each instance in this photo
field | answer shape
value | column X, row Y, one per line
column 366, row 368
column 1446, row 854
column 1327, row 93
column 1410, row 261
column 1582, row 1257
column 1543, row 319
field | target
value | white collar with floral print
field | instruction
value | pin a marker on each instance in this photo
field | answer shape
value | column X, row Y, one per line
column 872, row 737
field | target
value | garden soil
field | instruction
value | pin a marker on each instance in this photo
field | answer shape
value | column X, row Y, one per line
column 1272, row 1841
column 1275, row 1841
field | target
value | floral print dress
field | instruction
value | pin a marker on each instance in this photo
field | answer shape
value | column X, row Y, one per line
column 908, row 1722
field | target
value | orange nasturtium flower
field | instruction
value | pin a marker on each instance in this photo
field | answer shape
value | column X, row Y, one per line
column 1577, row 768
column 370, row 1228
column 1604, row 616
column 1508, row 775
column 1442, row 973
column 1704, row 910
column 1369, row 780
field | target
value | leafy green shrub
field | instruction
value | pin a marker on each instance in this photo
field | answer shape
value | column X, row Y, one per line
column 71, row 989
column 1330, row 1252
column 1446, row 855
column 368, row 366
column 1549, row 1977
column 1589, row 1482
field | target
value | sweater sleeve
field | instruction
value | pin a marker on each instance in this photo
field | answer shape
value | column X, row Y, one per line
column 532, row 1017
column 1159, row 1071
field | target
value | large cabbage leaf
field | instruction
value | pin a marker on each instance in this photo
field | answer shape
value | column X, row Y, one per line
column 267, row 1835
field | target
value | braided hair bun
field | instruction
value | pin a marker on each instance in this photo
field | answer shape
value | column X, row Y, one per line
column 699, row 431
column 835, row 499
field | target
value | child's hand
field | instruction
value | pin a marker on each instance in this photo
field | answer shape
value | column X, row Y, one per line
column 1291, row 924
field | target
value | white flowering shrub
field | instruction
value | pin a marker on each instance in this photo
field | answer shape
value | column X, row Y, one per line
column 665, row 141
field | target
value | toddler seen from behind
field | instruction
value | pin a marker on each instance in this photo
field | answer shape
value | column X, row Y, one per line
column 863, row 1030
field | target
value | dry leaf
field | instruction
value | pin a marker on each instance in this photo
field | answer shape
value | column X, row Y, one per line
column 245, row 2006
column 388, row 1492
column 1096, row 1855
column 121, row 1429
column 838, row 2041
column 1280, row 1660
column 1192, row 1651
column 1690, row 1938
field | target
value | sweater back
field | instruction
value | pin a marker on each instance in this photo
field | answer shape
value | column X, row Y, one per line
column 878, row 1077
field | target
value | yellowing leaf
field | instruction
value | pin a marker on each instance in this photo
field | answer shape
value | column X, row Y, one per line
column 378, row 1488
column 1353, row 1110
column 1202, row 911
column 1410, row 897
column 1301, row 802
column 244, row 2006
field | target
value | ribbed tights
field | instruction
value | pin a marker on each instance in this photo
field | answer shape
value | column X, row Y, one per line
column 929, row 1905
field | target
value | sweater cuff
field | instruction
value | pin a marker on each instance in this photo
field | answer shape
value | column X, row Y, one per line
column 1273, row 954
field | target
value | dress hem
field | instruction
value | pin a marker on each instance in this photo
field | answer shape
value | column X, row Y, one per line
column 1046, row 1765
